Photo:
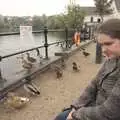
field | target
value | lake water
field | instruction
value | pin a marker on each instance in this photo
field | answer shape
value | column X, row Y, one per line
column 11, row 68
column 12, row 43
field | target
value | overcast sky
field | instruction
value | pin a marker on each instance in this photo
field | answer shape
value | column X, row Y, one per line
column 36, row 7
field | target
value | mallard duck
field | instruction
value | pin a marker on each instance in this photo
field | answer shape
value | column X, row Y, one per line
column 38, row 52
column 75, row 67
column 30, row 59
column 40, row 57
column 57, row 44
column 16, row 102
column 63, row 65
column 86, row 53
column 82, row 49
column 59, row 72
column 26, row 65
column 31, row 88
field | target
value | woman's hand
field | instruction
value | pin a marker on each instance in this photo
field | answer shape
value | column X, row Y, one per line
column 70, row 115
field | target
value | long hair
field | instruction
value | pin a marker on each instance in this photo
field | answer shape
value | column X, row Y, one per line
column 110, row 27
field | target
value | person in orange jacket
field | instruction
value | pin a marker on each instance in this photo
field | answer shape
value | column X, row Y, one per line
column 77, row 38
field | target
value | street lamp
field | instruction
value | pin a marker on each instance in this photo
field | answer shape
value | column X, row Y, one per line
column 98, row 49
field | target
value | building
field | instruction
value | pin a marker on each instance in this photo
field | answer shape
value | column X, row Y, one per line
column 116, row 7
column 92, row 16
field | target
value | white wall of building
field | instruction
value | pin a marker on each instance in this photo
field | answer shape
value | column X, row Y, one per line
column 115, row 14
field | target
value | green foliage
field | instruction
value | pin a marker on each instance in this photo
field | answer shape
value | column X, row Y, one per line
column 73, row 17
column 103, row 7
column 1, row 23
column 54, row 22
column 36, row 23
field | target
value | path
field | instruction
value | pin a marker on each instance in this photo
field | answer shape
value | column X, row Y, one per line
column 56, row 94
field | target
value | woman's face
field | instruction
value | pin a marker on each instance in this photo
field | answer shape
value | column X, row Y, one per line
column 110, row 46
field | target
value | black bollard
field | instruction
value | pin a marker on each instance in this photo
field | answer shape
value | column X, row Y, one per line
column 66, row 36
column 98, row 53
column 46, row 42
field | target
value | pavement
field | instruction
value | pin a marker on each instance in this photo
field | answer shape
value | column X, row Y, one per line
column 55, row 93
column 14, row 73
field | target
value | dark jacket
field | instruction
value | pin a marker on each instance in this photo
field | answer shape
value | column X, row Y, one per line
column 101, row 99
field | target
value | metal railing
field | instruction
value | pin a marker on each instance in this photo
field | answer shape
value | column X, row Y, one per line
column 46, row 45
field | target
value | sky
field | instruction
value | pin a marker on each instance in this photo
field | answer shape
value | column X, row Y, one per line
column 37, row 7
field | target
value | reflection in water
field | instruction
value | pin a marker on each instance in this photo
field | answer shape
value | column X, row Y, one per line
column 26, row 37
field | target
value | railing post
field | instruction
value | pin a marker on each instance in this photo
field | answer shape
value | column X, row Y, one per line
column 98, row 53
column 66, row 36
column 98, row 50
column 0, row 70
column 1, row 78
column 46, row 42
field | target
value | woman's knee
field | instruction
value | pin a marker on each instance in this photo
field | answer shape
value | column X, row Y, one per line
column 63, row 115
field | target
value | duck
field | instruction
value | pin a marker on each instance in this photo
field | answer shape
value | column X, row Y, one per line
column 82, row 48
column 75, row 67
column 26, row 65
column 16, row 102
column 63, row 65
column 57, row 44
column 31, row 88
column 86, row 53
column 38, row 52
column 40, row 57
column 30, row 59
column 59, row 72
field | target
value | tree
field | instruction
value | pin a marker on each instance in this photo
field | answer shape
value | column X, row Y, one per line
column 103, row 7
column 73, row 17
column 44, row 19
column 37, row 23
column 53, row 22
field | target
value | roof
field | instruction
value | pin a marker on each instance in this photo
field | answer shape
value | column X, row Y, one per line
column 117, row 3
column 89, row 10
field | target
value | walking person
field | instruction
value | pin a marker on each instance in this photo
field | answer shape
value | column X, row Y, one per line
column 77, row 38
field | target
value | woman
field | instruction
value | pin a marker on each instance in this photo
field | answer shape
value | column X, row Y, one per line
column 101, row 99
